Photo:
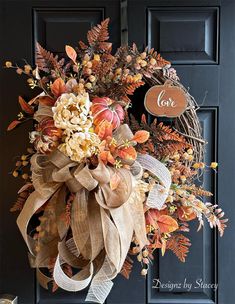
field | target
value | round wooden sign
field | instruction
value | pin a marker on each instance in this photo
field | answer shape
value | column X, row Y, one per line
column 165, row 100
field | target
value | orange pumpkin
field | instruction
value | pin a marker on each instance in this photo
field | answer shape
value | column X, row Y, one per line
column 104, row 108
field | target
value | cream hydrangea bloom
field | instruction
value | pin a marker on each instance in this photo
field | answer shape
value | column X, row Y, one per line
column 80, row 145
column 71, row 112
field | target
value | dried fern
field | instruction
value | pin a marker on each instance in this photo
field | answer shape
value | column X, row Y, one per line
column 105, row 67
column 165, row 140
column 197, row 191
column 127, row 267
column 122, row 90
column 215, row 217
column 98, row 36
column 179, row 244
column 23, row 194
column 67, row 269
column 46, row 61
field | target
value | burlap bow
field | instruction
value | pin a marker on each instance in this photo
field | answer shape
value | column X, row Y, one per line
column 103, row 221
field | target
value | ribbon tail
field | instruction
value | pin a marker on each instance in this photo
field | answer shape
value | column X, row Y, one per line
column 157, row 196
column 78, row 282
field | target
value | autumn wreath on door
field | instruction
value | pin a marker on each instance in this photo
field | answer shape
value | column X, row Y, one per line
column 104, row 187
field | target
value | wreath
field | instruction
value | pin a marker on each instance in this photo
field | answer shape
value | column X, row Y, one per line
column 103, row 188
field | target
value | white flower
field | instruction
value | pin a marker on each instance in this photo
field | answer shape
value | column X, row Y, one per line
column 80, row 145
column 71, row 112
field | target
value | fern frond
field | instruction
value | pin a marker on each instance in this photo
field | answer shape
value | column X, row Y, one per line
column 23, row 194
column 215, row 217
column 179, row 244
column 161, row 62
column 197, row 191
column 17, row 206
column 98, row 35
column 127, row 267
column 82, row 45
column 46, row 61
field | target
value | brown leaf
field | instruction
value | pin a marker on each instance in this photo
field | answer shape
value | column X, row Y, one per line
column 106, row 157
column 127, row 267
column 46, row 100
column 17, row 206
column 98, row 35
column 104, row 129
column 82, row 45
column 167, row 224
column 25, row 106
column 71, row 53
column 13, row 124
column 179, row 244
column 58, row 87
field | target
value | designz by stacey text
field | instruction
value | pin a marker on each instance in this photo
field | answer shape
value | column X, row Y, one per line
column 184, row 285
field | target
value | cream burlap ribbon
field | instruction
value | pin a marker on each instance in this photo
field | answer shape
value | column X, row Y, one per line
column 158, row 194
column 103, row 221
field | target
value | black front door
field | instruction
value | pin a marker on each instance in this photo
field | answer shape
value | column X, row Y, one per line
column 197, row 36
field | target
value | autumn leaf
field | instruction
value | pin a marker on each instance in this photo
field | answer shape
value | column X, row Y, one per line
column 104, row 129
column 179, row 244
column 71, row 53
column 47, row 101
column 159, row 220
column 58, row 87
column 167, row 224
column 106, row 157
column 143, row 118
column 25, row 106
column 186, row 213
column 127, row 267
column 141, row 136
column 127, row 153
column 114, row 181
column 13, row 124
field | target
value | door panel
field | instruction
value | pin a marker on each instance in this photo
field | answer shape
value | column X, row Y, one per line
column 189, row 33
column 197, row 25
column 53, row 24
column 201, row 262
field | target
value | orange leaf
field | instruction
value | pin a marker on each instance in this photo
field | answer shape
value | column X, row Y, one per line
column 167, row 224
column 186, row 213
column 106, row 157
column 47, row 101
column 143, row 118
column 13, row 124
column 141, row 136
column 114, row 181
column 71, row 53
column 127, row 153
column 58, row 87
column 25, row 106
column 104, row 129
column 110, row 158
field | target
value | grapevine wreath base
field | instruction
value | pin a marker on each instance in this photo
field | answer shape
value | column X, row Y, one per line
column 103, row 188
